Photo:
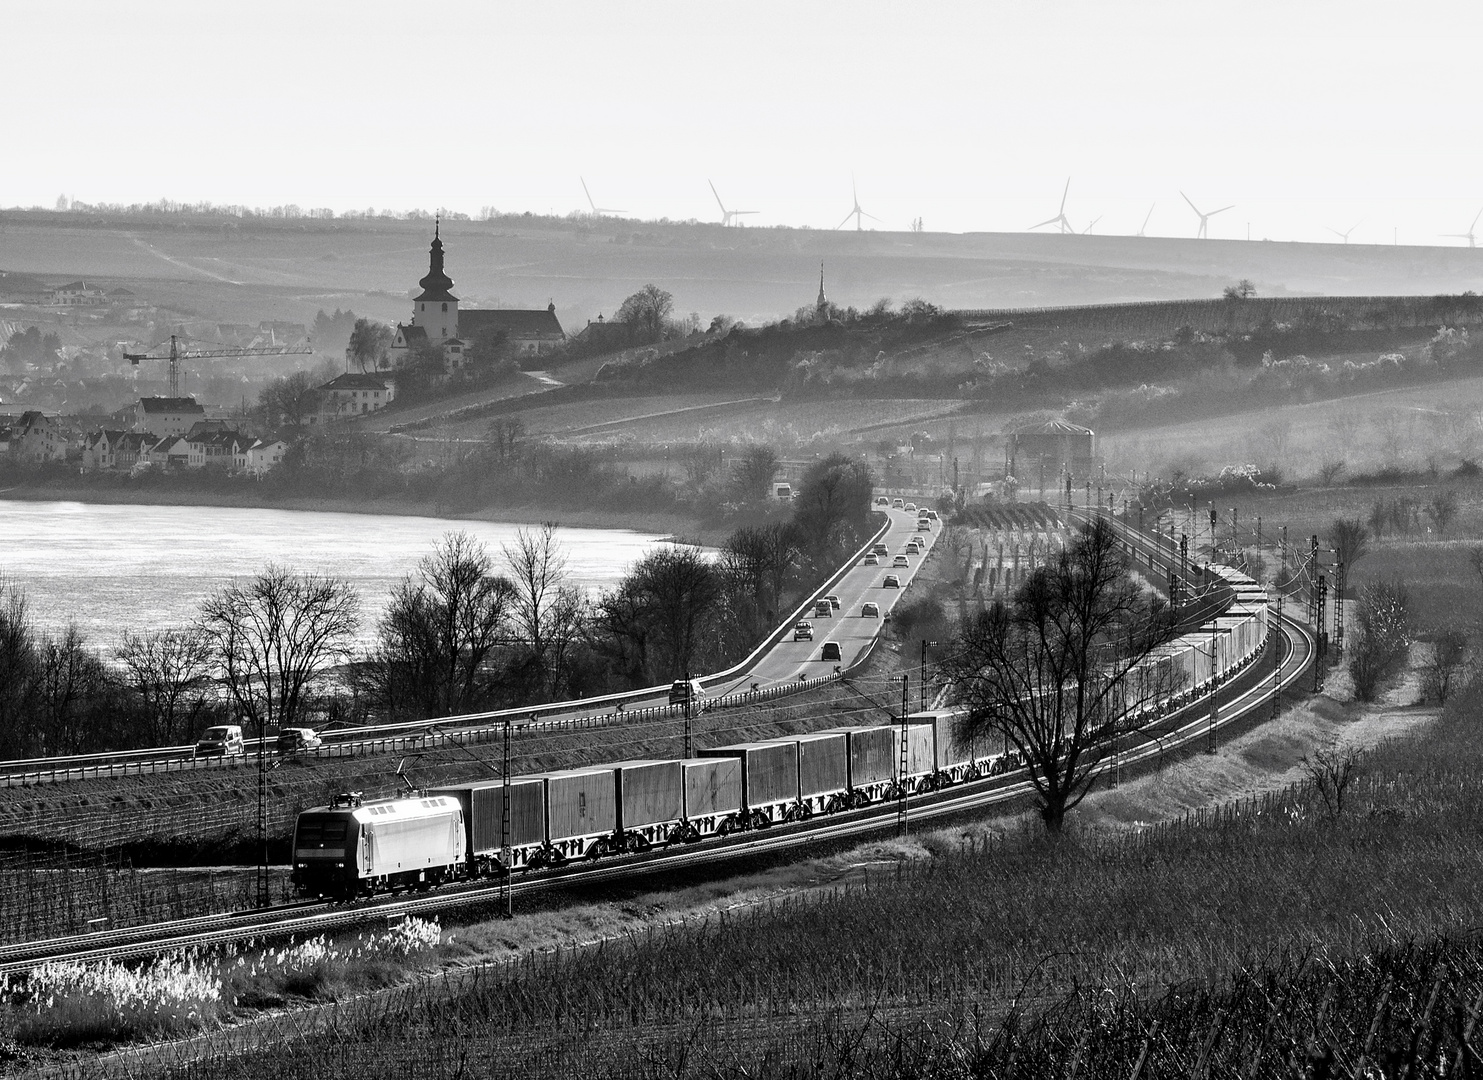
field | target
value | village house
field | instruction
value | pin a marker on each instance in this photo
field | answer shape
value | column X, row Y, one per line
column 261, row 456
column 212, row 448
column 352, row 394
column 161, row 416
column 38, row 437
column 99, row 449
column 78, row 294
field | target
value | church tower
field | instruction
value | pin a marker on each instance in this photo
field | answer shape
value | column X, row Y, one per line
column 435, row 309
column 821, row 308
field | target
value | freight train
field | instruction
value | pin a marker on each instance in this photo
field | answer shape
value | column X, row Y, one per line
column 456, row 832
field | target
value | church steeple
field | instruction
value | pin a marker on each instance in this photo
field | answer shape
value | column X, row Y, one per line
column 822, row 306
column 437, row 284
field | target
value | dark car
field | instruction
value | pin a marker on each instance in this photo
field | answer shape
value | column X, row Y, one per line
column 830, row 651
column 891, row 582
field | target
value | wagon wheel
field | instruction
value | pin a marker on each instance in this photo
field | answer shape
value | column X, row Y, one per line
column 639, row 843
column 972, row 773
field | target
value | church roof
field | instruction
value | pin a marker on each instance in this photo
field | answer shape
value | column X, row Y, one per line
column 413, row 335
column 515, row 322
column 436, row 284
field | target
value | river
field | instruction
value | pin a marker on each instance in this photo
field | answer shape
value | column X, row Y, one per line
column 111, row 567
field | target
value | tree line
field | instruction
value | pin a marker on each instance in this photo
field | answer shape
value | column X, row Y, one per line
column 467, row 630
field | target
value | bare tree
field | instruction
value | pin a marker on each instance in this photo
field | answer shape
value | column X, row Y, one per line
column 274, row 637
column 503, row 437
column 440, row 628
column 1444, row 669
column 69, row 677
column 1442, row 509
column 370, row 342
column 679, row 588
column 1054, row 671
column 646, row 311
column 545, row 610
column 289, row 400
column 759, row 561
column 751, row 477
column 1349, row 539
column 1329, row 471
column 18, row 671
column 167, row 669
column 1332, row 772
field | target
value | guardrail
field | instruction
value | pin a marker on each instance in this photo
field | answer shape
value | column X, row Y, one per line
column 423, row 734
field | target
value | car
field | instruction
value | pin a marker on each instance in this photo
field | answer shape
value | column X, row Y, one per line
column 913, row 549
column 882, row 501
column 685, row 690
column 872, row 559
column 803, row 631
column 293, row 739
column 911, row 508
column 898, row 503
column 830, row 651
column 931, row 515
column 870, row 611
column 900, row 560
column 224, row 739
column 923, row 525
column 823, row 609
column 833, row 601
column 891, row 582
column 880, row 549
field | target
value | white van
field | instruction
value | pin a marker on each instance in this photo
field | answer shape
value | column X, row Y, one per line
column 225, row 739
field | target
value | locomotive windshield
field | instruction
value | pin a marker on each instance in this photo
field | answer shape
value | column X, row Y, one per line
column 316, row 827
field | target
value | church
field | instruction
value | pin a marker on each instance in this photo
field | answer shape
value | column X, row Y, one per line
column 436, row 320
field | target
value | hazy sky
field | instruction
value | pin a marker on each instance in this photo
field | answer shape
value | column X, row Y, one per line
column 971, row 115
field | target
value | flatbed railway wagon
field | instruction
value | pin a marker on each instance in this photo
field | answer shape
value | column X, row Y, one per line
column 483, row 805
column 872, row 763
column 713, row 796
column 769, row 781
column 650, row 799
column 581, row 814
column 354, row 848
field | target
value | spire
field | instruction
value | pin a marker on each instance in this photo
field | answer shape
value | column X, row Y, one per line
column 823, row 302
column 436, row 285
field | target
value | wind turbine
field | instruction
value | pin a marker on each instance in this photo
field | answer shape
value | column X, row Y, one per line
column 1203, row 234
column 856, row 213
column 1087, row 231
column 598, row 210
column 1468, row 236
column 1061, row 221
column 1145, row 219
column 1346, row 232
column 727, row 216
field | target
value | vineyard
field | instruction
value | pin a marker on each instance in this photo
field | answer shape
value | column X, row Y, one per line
column 1184, row 947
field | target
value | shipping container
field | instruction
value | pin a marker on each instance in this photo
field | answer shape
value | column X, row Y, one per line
column 919, row 738
column 649, row 793
column 713, row 786
column 769, row 771
column 823, row 763
column 870, row 755
column 483, row 803
column 579, row 803
column 948, row 750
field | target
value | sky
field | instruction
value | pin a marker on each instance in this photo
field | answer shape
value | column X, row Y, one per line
column 971, row 116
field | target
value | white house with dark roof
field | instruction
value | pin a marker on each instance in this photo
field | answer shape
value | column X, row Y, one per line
column 161, row 416
column 78, row 294
column 261, row 456
column 353, row 394
column 38, row 437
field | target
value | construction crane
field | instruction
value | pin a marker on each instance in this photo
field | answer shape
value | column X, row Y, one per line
column 177, row 355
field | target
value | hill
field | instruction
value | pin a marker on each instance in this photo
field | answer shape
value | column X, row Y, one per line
column 231, row 268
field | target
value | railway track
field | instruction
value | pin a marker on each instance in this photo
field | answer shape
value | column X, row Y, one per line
column 1242, row 695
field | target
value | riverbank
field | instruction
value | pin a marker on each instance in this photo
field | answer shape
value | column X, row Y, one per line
column 679, row 526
